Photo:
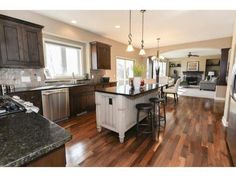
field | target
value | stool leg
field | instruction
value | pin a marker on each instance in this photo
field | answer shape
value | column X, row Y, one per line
column 164, row 109
column 153, row 127
column 159, row 119
column 154, row 113
column 137, row 126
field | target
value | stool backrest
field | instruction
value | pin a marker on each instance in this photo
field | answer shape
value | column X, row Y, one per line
column 163, row 79
column 177, row 84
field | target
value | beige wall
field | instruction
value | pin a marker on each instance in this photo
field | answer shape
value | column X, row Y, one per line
column 67, row 31
column 214, row 43
column 184, row 61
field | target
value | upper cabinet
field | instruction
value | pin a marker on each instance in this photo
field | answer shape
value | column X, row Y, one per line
column 21, row 44
column 100, row 55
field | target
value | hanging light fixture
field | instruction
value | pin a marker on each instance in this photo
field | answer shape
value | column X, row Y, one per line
column 158, row 47
column 157, row 56
column 130, row 47
column 142, row 51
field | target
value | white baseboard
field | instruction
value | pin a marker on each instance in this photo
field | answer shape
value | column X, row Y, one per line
column 219, row 98
column 224, row 122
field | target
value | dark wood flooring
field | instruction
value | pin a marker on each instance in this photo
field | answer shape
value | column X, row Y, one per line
column 193, row 136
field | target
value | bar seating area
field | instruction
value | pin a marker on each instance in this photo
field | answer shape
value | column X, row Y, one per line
column 154, row 117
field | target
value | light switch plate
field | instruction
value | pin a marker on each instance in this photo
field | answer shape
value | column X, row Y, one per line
column 39, row 78
column 25, row 79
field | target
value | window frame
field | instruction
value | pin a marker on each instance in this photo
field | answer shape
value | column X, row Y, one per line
column 152, row 74
column 123, row 58
column 65, row 44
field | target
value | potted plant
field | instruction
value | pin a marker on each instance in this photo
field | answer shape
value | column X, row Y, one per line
column 139, row 70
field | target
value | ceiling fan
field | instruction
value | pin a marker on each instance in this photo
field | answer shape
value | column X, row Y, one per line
column 192, row 55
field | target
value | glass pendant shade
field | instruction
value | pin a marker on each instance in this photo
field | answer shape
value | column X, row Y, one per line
column 130, row 48
column 142, row 52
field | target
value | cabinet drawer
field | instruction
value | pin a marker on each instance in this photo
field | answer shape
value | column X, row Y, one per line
column 81, row 89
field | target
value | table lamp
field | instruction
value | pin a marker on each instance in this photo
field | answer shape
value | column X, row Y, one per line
column 211, row 73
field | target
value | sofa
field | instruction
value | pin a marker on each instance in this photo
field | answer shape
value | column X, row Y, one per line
column 208, row 84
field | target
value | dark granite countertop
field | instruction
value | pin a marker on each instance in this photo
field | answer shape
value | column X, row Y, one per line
column 26, row 136
column 55, row 86
column 126, row 89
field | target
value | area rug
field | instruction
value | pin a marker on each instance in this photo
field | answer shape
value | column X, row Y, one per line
column 196, row 92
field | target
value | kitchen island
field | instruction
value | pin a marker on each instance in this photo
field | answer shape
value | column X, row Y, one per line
column 28, row 139
column 115, row 106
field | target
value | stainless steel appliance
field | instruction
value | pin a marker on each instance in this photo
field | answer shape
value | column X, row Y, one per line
column 231, row 129
column 9, row 106
column 56, row 104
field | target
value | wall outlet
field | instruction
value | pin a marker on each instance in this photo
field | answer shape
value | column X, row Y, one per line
column 25, row 79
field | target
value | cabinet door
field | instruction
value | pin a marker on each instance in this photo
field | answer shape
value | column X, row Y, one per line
column 90, row 101
column 33, row 46
column 103, row 56
column 11, row 44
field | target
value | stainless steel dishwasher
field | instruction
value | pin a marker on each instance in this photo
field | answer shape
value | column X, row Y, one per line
column 56, row 104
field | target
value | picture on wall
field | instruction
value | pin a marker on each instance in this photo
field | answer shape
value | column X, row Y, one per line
column 192, row 66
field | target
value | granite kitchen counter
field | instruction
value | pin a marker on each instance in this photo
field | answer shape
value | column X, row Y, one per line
column 26, row 136
column 54, row 86
column 126, row 90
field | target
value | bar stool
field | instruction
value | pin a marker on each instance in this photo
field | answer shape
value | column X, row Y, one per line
column 145, row 107
column 158, row 102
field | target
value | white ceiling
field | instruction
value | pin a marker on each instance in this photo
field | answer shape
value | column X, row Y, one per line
column 195, row 51
column 173, row 27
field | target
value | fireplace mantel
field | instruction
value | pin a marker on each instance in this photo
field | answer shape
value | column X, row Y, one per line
column 192, row 72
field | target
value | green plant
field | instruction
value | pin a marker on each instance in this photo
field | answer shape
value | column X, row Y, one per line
column 139, row 70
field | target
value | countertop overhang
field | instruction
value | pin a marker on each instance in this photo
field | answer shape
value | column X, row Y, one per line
column 27, row 136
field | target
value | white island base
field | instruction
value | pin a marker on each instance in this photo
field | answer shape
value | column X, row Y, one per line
column 118, row 112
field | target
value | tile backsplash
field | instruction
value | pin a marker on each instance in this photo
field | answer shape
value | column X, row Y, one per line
column 22, row 77
column 35, row 77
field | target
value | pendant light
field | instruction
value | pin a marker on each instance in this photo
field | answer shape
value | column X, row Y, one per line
column 142, row 51
column 157, row 56
column 130, row 47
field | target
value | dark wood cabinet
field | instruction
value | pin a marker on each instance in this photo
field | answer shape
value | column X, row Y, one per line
column 82, row 98
column 223, row 66
column 21, row 44
column 33, row 46
column 31, row 96
column 100, row 55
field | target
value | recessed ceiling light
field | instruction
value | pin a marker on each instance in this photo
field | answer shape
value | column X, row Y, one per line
column 117, row 26
column 73, row 21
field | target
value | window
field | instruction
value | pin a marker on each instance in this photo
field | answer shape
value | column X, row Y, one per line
column 124, row 70
column 63, row 60
column 152, row 65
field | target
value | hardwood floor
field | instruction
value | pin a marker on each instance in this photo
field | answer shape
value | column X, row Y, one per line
column 193, row 136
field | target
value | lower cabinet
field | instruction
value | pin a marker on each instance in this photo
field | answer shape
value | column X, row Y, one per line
column 82, row 98
column 55, row 158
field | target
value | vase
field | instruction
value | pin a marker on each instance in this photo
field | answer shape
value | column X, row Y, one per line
column 137, row 81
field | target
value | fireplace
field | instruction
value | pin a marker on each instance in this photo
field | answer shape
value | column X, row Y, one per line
column 193, row 77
